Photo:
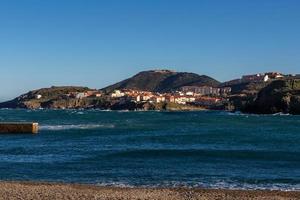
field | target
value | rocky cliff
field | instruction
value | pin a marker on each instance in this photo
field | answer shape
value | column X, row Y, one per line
column 279, row 96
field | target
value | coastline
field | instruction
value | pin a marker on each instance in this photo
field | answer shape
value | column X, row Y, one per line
column 44, row 190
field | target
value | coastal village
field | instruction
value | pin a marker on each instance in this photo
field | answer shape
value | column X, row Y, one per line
column 162, row 90
column 204, row 96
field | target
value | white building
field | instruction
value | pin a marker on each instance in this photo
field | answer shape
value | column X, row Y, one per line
column 138, row 98
column 158, row 99
column 184, row 99
column 117, row 94
column 266, row 78
column 189, row 93
column 80, row 95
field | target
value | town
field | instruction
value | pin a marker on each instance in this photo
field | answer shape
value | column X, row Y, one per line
column 204, row 96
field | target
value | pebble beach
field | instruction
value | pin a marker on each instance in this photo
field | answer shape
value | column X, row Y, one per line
column 51, row 191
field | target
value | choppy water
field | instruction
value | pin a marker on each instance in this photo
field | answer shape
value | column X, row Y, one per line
column 197, row 149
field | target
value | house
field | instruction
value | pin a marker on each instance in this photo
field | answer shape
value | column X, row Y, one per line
column 81, row 95
column 266, row 78
column 274, row 75
column 189, row 93
column 38, row 96
column 201, row 90
column 255, row 78
column 93, row 93
column 158, row 99
column 117, row 94
column 90, row 93
column 188, row 88
column 180, row 93
column 225, row 90
column 138, row 98
column 135, row 98
column 205, row 90
column 146, row 97
column 170, row 98
column 184, row 99
column 98, row 94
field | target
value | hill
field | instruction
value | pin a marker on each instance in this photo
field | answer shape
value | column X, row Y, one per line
column 162, row 81
column 29, row 100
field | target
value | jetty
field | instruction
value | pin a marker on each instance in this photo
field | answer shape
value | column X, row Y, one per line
column 19, row 127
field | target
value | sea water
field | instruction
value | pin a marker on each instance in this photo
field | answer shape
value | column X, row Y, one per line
column 207, row 149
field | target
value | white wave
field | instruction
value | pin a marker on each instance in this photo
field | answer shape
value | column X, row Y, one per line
column 215, row 185
column 80, row 113
column 115, row 184
column 73, row 126
column 281, row 114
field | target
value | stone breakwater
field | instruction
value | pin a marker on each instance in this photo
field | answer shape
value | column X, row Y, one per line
column 18, row 127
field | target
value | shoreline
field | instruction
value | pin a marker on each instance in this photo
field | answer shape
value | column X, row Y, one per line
column 51, row 190
column 140, row 110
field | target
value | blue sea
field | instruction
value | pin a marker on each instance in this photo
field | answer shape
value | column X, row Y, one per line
column 207, row 149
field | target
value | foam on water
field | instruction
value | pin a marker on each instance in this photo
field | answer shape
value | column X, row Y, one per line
column 74, row 126
column 217, row 185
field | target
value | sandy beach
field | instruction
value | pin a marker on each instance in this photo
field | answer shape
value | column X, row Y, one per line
column 29, row 190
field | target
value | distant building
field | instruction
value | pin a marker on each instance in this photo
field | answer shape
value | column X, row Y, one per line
column 266, row 78
column 189, row 93
column 93, row 93
column 184, row 99
column 136, row 98
column 38, row 96
column 117, row 94
column 180, row 93
column 255, row 78
column 146, row 97
column 81, row 95
column 225, row 90
column 251, row 78
column 164, row 71
column 158, row 99
column 262, row 77
column 203, row 90
column 188, row 88
column 274, row 75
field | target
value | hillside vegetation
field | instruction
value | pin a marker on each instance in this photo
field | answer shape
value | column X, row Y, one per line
column 49, row 95
column 162, row 81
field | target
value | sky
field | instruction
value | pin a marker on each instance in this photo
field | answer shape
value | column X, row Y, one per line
column 95, row 43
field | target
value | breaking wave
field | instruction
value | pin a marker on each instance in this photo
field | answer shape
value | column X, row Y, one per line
column 73, row 126
column 218, row 184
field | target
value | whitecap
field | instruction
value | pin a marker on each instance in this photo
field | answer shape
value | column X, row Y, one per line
column 73, row 126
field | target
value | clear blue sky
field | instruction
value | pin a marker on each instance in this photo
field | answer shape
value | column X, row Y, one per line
column 95, row 43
